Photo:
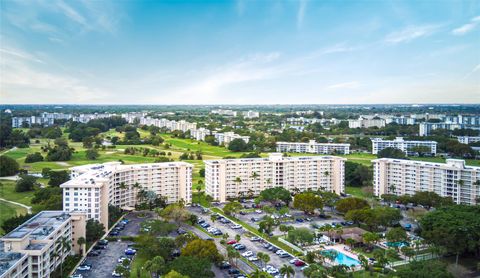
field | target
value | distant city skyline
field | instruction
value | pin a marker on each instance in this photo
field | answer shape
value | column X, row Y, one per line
column 239, row 52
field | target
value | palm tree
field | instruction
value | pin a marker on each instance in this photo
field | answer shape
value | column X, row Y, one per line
column 254, row 175
column 155, row 265
column 364, row 263
column 250, row 193
column 350, row 242
column 264, row 258
column 287, row 270
column 392, row 188
column 65, row 246
column 259, row 274
column 315, row 270
column 81, row 241
column 238, row 237
column 122, row 185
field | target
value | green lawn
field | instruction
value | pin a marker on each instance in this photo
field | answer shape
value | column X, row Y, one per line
column 8, row 210
column 7, row 191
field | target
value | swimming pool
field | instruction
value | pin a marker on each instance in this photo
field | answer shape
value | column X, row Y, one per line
column 342, row 258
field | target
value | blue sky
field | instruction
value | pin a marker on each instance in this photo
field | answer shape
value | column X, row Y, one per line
column 239, row 52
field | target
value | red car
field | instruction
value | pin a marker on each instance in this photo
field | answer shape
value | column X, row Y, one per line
column 231, row 242
column 299, row 263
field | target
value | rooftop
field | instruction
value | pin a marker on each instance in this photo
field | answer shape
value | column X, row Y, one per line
column 8, row 259
column 40, row 226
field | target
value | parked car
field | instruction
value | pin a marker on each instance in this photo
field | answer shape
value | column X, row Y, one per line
column 240, row 247
column 122, row 258
column 84, row 267
column 114, row 233
column 201, row 221
column 181, row 231
column 231, row 242
column 233, row 271
column 299, row 263
column 247, row 254
column 77, row 275
column 224, row 265
column 284, row 255
column 255, row 238
column 116, row 274
column 99, row 247
column 236, row 226
column 93, row 253
column 300, row 220
column 130, row 251
column 253, row 258
column 103, row 242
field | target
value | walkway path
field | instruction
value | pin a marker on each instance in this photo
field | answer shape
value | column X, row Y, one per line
column 29, row 209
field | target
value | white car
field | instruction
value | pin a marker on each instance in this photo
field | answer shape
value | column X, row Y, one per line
column 77, row 276
column 280, row 252
column 84, row 267
column 236, row 226
column 253, row 259
column 121, row 259
column 292, row 261
column 115, row 274
column 247, row 254
column 258, row 211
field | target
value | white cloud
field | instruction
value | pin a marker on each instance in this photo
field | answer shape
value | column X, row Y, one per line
column 410, row 33
column 302, row 7
column 345, row 85
column 467, row 28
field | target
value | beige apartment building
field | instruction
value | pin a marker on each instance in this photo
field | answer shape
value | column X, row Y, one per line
column 34, row 249
column 405, row 177
column 93, row 187
column 231, row 178
column 313, row 147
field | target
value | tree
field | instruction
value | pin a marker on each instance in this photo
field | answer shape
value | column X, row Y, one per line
column 307, row 202
column 34, row 157
column 81, row 241
column 370, row 238
column 232, row 207
column 65, row 246
column 285, row 228
column 47, row 198
column 287, row 271
column 238, row 237
column 300, row 236
column 454, row 228
column 364, row 263
column 91, row 154
column 420, row 269
column 264, row 257
column 150, row 246
column 25, row 183
column 275, row 195
column 176, row 212
column 197, row 267
column 238, row 145
column 266, row 225
column 315, row 271
column 58, row 177
column 357, row 174
column 60, row 152
column 94, row 230
column 155, row 266
column 174, row 274
column 13, row 222
column 391, row 153
column 202, row 249
column 351, row 203
column 430, row 199
column 8, row 166
column 396, row 235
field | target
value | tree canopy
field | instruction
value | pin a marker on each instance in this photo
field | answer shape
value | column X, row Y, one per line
column 8, row 166
column 307, row 202
column 351, row 203
column 202, row 249
column 275, row 195
column 391, row 153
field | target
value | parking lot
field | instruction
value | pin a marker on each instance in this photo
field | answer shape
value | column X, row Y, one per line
column 104, row 264
column 255, row 246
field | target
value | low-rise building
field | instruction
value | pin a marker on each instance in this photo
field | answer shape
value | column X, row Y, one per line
column 468, row 139
column 366, row 123
column 250, row 114
column 36, row 248
column 406, row 146
column 406, row 177
column 231, row 178
column 313, row 147
column 199, row 134
column 227, row 137
column 93, row 187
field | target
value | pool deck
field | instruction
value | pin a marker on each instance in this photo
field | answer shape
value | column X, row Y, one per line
column 342, row 249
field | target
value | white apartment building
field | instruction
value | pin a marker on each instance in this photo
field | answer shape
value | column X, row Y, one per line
column 18, row 122
column 468, row 139
column 402, row 120
column 405, row 177
column 93, row 187
column 225, row 112
column 250, row 114
column 227, row 137
column 231, row 178
column 379, row 144
column 182, row 125
column 199, row 134
column 29, row 250
column 366, row 123
column 313, row 147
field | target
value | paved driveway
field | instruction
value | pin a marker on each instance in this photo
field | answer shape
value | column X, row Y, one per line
column 104, row 264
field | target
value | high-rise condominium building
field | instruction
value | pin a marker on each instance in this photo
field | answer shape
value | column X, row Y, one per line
column 231, row 178
column 93, row 187
column 313, row 147
column 405, row 177
column 35, row 249
column 405, row 146
column 366, row 123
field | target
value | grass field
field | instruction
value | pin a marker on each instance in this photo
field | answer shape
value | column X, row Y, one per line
column 8, row 210
column 7, row 191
